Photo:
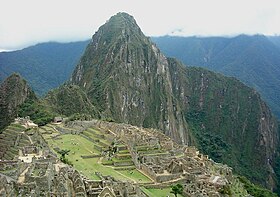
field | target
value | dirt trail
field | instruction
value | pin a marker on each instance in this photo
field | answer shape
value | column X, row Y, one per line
column 21, row 177
column 30, row 139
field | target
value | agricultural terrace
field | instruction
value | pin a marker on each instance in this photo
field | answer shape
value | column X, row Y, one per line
column 87, row 154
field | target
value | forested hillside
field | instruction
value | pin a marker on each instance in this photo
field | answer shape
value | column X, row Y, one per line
column 255, row 60
column 44, row 66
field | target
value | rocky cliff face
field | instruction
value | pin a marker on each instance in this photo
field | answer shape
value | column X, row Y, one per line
column 128, row 79
column 14, row 91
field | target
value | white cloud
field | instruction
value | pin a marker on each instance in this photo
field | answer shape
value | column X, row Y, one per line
column 30, row 21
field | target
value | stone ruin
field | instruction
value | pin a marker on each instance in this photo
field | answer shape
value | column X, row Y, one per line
column 95, row 188
column 26, row 122
column 200, row 175
column 38, row 172
column 153, row 153
column 28, row 150
column 48, row 179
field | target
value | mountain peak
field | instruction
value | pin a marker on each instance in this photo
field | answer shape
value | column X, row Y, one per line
column 120, row 40
column 122, row 20
column 15, row 76
column 119, row 26
column 123, row 16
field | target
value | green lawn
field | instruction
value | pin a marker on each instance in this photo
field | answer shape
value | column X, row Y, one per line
column 81, row 146
column 159, row 192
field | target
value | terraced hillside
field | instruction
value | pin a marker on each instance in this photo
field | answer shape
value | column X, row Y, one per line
column 107, row 157
column 141, row 156
column 12, row 139
column 89, row 153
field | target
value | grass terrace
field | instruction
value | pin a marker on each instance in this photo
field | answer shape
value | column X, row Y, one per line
column 11, row 140
column 81, row 146
column 158, row 192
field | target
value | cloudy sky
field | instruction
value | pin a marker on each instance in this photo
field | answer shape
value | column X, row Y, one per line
column 27, row 22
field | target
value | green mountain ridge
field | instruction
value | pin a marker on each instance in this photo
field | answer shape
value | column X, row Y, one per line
column 255, row 60
column 118, row 82
column 45, row 66
column 48, row 65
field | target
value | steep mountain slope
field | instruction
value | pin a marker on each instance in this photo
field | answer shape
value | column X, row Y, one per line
column 70, row 99
column 129, row 80
column 255, row 60
column 44, row 66
column 14, row 91
column 230, row 122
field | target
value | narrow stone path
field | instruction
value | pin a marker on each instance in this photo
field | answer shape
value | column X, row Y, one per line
column 29, row 139
column 21, row 177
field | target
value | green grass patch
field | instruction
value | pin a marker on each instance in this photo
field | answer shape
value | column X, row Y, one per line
column 123, row 152
column 135, row 175
column 78, row 146
column 97, row 131
column 158, row 192
column 121, row 160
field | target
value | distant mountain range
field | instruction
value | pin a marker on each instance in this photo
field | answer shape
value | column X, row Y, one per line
column 255, row 60
column 44, row 66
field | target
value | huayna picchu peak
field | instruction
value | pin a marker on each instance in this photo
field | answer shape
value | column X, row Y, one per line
column 152, row 110
column 127, row 78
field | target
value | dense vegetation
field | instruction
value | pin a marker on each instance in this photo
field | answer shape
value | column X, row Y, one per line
column 44, row 66
column 37, row 111
column 69, row 100
column 275, row 40
column 256, row 190
column 255, row 60
column 224, row 117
